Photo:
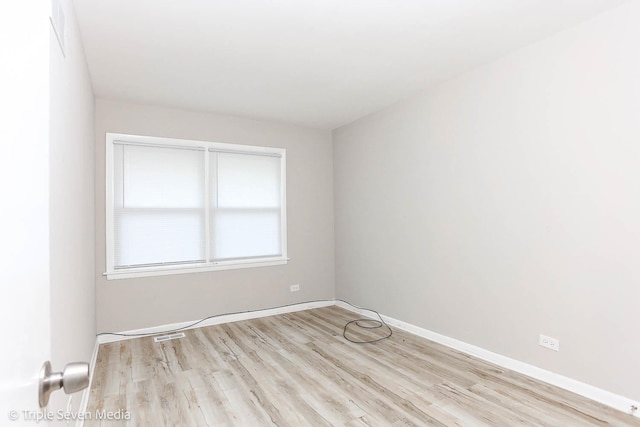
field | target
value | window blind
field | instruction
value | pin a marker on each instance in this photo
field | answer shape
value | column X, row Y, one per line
column 159, row 209
column 245, row 205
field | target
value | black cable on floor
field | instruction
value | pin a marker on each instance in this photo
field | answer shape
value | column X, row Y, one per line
column 364, row 323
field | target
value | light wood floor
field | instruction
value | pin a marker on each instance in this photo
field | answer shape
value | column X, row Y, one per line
column 297, row 370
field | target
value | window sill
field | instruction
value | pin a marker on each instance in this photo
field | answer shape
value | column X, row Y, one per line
column 132, row 273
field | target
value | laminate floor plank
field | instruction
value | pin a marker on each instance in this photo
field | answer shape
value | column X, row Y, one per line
column 303, row 362
column 335, row 406
column 296, row 369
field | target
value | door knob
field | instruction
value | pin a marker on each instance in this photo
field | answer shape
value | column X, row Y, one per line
column 75, row 377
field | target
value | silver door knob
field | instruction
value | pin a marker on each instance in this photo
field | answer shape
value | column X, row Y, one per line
column 75, row 377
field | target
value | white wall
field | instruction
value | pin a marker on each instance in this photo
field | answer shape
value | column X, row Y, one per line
column 127, row 304
column 506, row 203
column 71, row 204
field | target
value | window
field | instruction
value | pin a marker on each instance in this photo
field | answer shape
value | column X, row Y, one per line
column 176, row 206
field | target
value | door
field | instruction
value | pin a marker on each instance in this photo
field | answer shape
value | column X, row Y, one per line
column 24, row 207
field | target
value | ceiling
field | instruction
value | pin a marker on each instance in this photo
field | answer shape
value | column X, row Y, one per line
column 318, row 63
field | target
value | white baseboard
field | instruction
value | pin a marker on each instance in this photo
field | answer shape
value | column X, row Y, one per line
column 84, row 402
column 594, row 393
column 226, row 318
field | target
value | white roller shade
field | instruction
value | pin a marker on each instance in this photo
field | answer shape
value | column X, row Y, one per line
column 246, row 201
column 159, row 212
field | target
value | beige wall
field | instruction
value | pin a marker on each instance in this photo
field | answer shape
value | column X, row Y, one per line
column 127, row 304
column 71, row 209
column 506, row 203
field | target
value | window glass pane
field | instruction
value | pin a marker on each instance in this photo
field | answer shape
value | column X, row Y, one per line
column 250, row 233
column 150, row 236
column 246, row 180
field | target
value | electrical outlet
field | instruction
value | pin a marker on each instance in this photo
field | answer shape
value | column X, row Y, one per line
column 551, row 343
column 294, row 288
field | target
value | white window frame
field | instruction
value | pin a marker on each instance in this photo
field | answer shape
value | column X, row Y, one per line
column 125, row 273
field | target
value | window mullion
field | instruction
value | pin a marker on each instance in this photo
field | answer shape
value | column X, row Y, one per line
column 207, row 222
column 213, row 201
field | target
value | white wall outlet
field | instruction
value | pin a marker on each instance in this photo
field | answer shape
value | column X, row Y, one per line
column 294, row 288
column 548, row 342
